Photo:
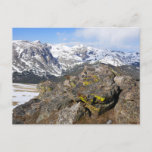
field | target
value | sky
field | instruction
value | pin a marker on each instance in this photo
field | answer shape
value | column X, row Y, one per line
column 119, row 39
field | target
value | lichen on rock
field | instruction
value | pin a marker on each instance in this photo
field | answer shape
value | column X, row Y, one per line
column 96, row 94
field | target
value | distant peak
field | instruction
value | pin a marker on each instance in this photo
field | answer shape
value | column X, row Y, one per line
column 78, row 46
column 37, row 41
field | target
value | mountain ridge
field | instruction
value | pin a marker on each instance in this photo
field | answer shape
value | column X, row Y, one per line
column 45, row 60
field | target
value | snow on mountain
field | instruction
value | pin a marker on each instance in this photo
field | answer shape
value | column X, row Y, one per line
column 35, row 57
column 69, row 56
column 47, row 59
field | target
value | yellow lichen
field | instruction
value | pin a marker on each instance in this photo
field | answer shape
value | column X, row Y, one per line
column 83, row 99
column 49, row 89
column 99, row 98
column 72, row 84
column 85, row 83
column 114, row 72
column 86, row 78
column 92, row 108
column 42, row 89
column 95, row 78
column 88, row 105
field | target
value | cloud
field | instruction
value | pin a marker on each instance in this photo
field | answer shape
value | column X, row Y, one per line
column 58, row 33
column 112, row 38
column 70, row 43
column 64, row 39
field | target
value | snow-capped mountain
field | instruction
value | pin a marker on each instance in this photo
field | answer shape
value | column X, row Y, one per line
column 35, row 57
column 47, row 59
column 69, row 56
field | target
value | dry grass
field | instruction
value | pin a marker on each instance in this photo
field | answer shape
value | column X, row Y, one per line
column 14, row 103
column 26, row 91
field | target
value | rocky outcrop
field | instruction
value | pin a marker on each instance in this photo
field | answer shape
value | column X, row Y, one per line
column 98, row 94
column 27, row 113
column 70, row 115
column 128, row 106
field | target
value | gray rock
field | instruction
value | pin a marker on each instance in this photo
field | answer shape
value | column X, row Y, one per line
column 70, row 115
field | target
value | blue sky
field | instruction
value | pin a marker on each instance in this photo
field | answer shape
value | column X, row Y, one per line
column 120, row 39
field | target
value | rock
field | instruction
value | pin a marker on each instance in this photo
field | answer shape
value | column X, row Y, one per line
column 109, row 122
column 49, row 112
column 67, row 83
column 127, row 110
column 70, row 115
column 27, row 113
column 123, row 81
column 96, row 94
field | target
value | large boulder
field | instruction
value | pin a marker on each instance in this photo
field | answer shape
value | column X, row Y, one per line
column 127, row 110
column 94, row 87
